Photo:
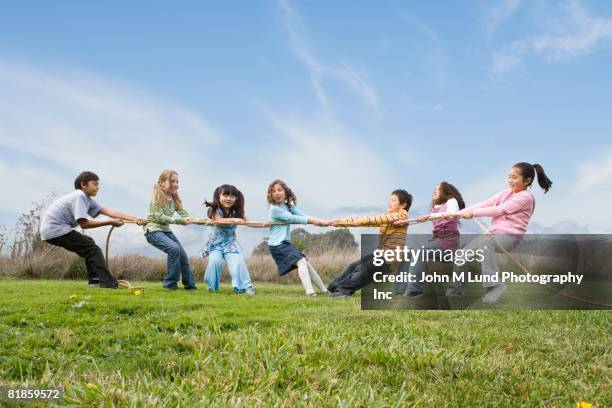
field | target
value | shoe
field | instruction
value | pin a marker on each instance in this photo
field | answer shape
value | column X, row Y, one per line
column 313, row 294
column 93, row 285
column 494, row 293
column 191, row 288
column 236, row 290
column 412, row 294
column 171, row 287
column 340, row 294
column 454, row 293
column 250, row 291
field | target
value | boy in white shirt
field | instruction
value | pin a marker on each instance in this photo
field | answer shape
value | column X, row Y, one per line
column 77, row 208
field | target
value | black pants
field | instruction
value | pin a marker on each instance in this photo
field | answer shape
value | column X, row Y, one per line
column 356, row 276
column 86, row 247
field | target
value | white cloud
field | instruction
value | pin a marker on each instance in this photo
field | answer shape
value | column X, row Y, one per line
column 597, row 173
column 504, row 62
column 577, row 34
column 435, row 59
column 499, row 13
column 584, row 33
column 328, row 166
column 56, row 124
column 318, row 69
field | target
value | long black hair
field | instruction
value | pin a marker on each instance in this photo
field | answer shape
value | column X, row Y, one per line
column 448, row 191
column 236, row 211
column 530, row 170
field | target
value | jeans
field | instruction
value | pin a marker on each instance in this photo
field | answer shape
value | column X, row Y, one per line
column 488, row 243
column 237, row 269
column 178, row 262
column 416, row 270
column 85, row 247
column 356, row 276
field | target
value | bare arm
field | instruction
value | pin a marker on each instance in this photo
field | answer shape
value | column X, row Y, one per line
column 87, row 224
column 122, row 216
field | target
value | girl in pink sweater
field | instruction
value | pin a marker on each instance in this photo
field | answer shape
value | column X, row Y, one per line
column 510, row 211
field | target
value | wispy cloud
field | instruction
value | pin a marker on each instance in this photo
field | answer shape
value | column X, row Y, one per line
column 577, row 34
column 327, row 162
column 595, row 173
column 435, row 57
column 54, row 124
column 318, row 69
column 499, row 13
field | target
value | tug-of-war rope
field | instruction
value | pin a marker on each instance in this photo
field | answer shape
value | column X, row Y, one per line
column 257, row 224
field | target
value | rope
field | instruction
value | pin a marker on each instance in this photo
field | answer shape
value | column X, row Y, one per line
column 122, row 283
column 255, row 224
column 526, row 271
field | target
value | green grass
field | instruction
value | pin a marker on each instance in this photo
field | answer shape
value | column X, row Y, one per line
column 283, row 348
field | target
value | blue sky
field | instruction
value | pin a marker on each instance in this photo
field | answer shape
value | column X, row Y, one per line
column 344, row 100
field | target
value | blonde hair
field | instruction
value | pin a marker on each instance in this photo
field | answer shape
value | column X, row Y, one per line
column 160, row 196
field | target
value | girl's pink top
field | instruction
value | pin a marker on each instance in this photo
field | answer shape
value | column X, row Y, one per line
column 510, row 211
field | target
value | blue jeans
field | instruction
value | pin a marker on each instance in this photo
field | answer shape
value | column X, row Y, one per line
column 489, row 244
column 178, row 262
column 419, row 268
column 416, row 270
column 237, row 268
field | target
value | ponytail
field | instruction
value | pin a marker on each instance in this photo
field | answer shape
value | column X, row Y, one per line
column 530, row 171
column 543, row 179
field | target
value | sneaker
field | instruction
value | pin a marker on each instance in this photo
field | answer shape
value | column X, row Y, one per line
column 93, row 285
column 413, row 295
column 171, row 287
column 340, row 294
column 313, row 294
column 250, row 291
column 452, row 292
column 494, row 293
column 191, row 288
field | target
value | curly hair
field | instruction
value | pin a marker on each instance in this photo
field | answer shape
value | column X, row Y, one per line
column 290, row 197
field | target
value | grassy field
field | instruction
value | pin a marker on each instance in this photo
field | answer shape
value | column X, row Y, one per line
column 114, row 348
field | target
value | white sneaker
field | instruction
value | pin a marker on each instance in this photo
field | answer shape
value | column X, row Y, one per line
column 250, row 291
column 494, row 293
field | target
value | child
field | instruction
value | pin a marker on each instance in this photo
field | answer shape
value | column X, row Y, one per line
column 510, row 211
column 445, row 199
column 75, row 209
column 282, row 209
column 359, row 273
column 164, row 203
column 226, row 208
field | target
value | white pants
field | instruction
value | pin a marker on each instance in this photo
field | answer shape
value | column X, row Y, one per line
column 488, row 244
